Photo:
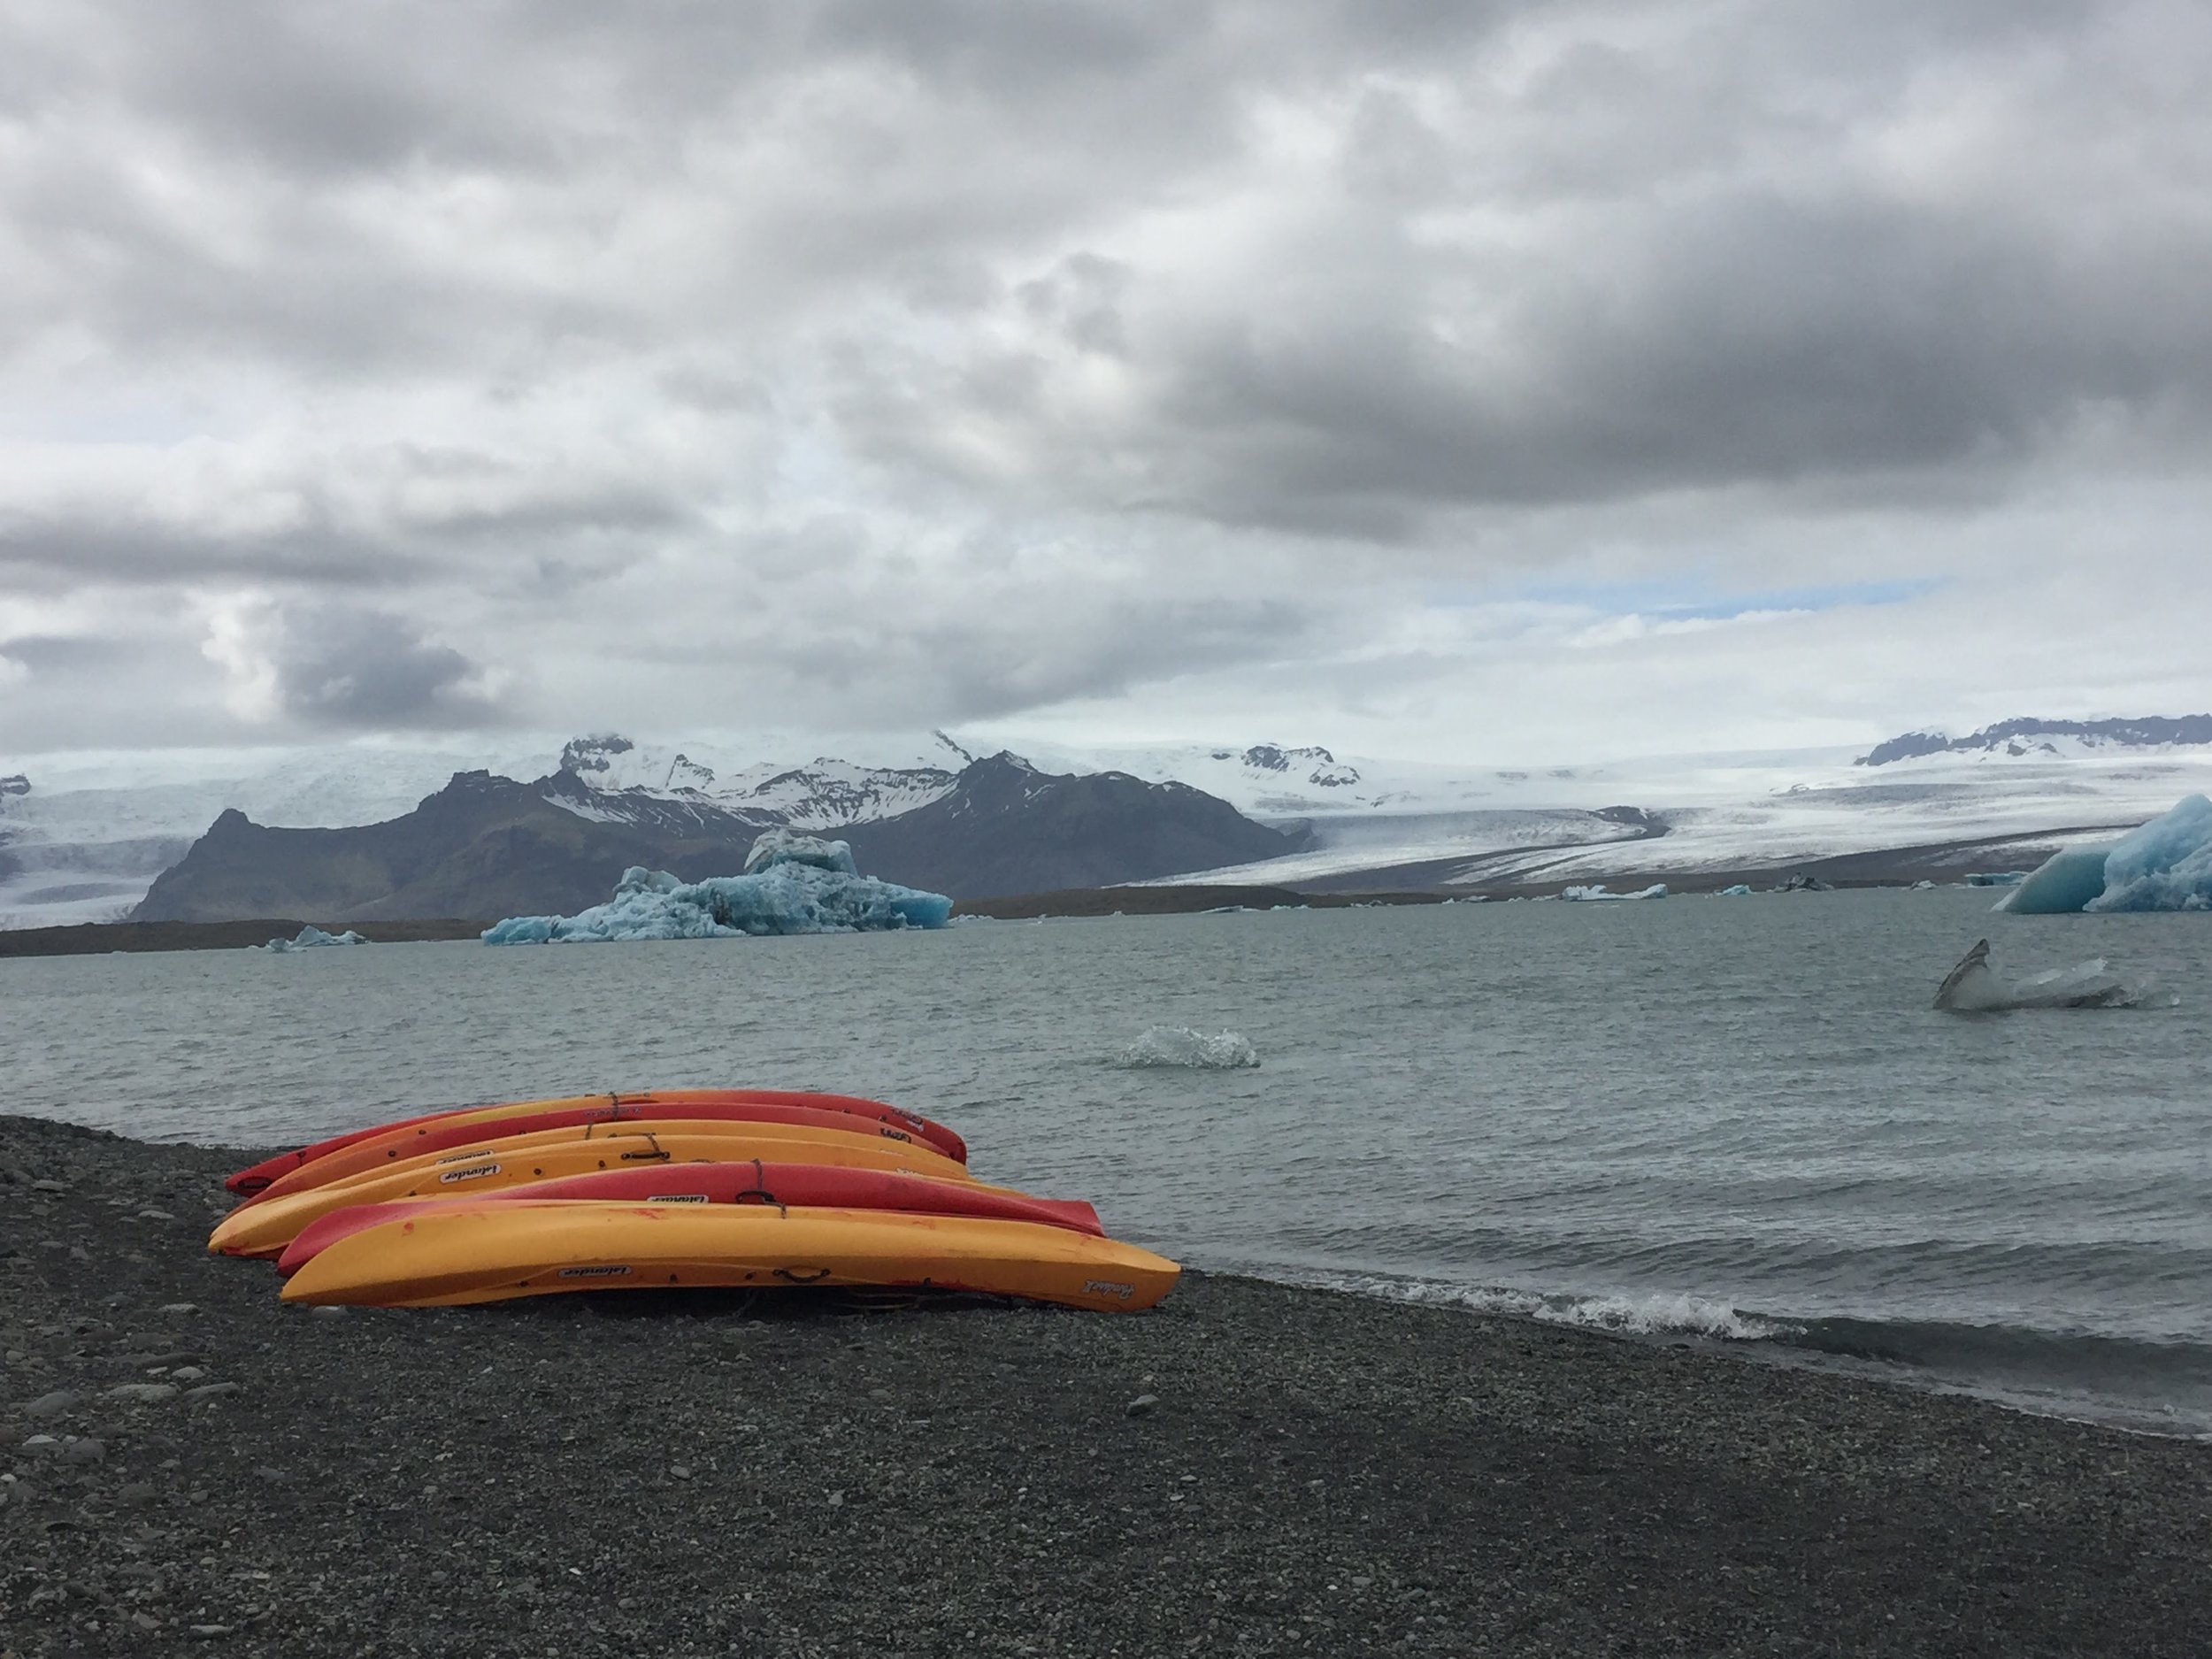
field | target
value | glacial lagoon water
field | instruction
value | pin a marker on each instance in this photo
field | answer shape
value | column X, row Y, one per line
column 1736, row 1121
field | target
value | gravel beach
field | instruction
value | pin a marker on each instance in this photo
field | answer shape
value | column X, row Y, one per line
column 188, row 1465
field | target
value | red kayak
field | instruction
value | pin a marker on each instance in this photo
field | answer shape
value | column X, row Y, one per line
column 397, row 1145
column 794, row 1185
column 935, row 1135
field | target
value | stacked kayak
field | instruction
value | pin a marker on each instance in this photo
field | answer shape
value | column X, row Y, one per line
column 753, row 1188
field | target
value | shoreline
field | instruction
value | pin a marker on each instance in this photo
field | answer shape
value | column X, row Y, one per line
column 1251, row 1469
column 1856, row 870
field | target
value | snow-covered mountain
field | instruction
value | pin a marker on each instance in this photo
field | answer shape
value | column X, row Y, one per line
column 827, row 793
column 2033, row 739
column 83, row 836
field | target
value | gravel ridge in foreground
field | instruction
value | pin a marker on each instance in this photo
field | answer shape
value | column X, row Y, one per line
column 1249, row 1470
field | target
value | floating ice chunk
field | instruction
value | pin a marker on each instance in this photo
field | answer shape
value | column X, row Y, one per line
column 789, row 897
column 1180, row 1046
column 2165, row 865
column 1974, row 987
column 783, row 847
column 1739, row 891
column 1590, row 894
column 2065, row 881
column 1995, row 878
column 309, row 936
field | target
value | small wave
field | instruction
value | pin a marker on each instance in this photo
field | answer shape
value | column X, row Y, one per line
column 1180, row 1046
column 1657, row 1313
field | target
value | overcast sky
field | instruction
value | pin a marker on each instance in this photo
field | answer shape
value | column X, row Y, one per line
column 1501, row 382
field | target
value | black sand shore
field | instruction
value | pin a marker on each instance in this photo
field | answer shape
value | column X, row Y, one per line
column 1250, row 1470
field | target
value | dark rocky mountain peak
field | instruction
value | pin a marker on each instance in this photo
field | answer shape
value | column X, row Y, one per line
column 1319, row 766
column 491, row 846
column 587, row 757
column 1006, row 827
column 687, row 774
column 15, row 783
column 2030, row 736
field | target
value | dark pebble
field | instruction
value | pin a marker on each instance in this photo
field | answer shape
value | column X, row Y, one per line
column 1336, row 1475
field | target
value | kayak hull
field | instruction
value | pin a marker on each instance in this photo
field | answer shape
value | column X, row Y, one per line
column 264, row 1229
column 498, row 1252
column 388, row 1151
column 800, row 1185
column 256, row 1177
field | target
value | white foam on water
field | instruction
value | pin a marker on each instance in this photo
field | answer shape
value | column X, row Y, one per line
column 1180, row 1046
column 1648, row 1314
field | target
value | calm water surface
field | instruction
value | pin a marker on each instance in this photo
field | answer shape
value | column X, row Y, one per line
column 1731, row 1120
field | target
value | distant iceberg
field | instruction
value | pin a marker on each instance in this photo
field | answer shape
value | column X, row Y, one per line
column 792, row 884
column 2165, row 865
column 1995, row 878
column 1593, row 894
column 308, row 937
column 1739, row 891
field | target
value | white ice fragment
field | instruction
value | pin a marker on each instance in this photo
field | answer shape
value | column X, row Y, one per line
column 783, row 847
column 1974, row 987
column 1180, row 1046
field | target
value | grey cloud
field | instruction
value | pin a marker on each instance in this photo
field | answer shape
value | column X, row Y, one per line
column 530, row 307
column 398, row 535
column 349, row 667
column 55, row 551
column 1700, row 297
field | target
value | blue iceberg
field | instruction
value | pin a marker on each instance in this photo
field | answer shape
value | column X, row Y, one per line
column 308, row 938
column 1597, row 894
column 792, row 884
column 2165, row 865
column 1739, row 891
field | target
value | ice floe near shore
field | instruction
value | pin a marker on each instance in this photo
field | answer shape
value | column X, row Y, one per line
column 2165, row 865
column 792, row 884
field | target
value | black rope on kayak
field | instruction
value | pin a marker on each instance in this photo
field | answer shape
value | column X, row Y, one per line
column 759, row 1189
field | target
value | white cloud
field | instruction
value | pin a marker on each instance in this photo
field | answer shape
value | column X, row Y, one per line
column 1080, row 367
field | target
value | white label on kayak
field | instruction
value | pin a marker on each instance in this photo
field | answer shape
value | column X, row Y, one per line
column 469, row 1174
column 678, row 1198
column 460, row 1157
column 1101, row 1287
column 593, row 1272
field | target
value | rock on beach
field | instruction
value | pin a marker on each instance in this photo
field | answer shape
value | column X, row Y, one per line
column 1248, row 1469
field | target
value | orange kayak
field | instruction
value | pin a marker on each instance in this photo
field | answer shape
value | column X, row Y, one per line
column 397, row 1146
column 784, row 1186
column 264, row 1229
column 496, row 1252
column 252, row 1179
